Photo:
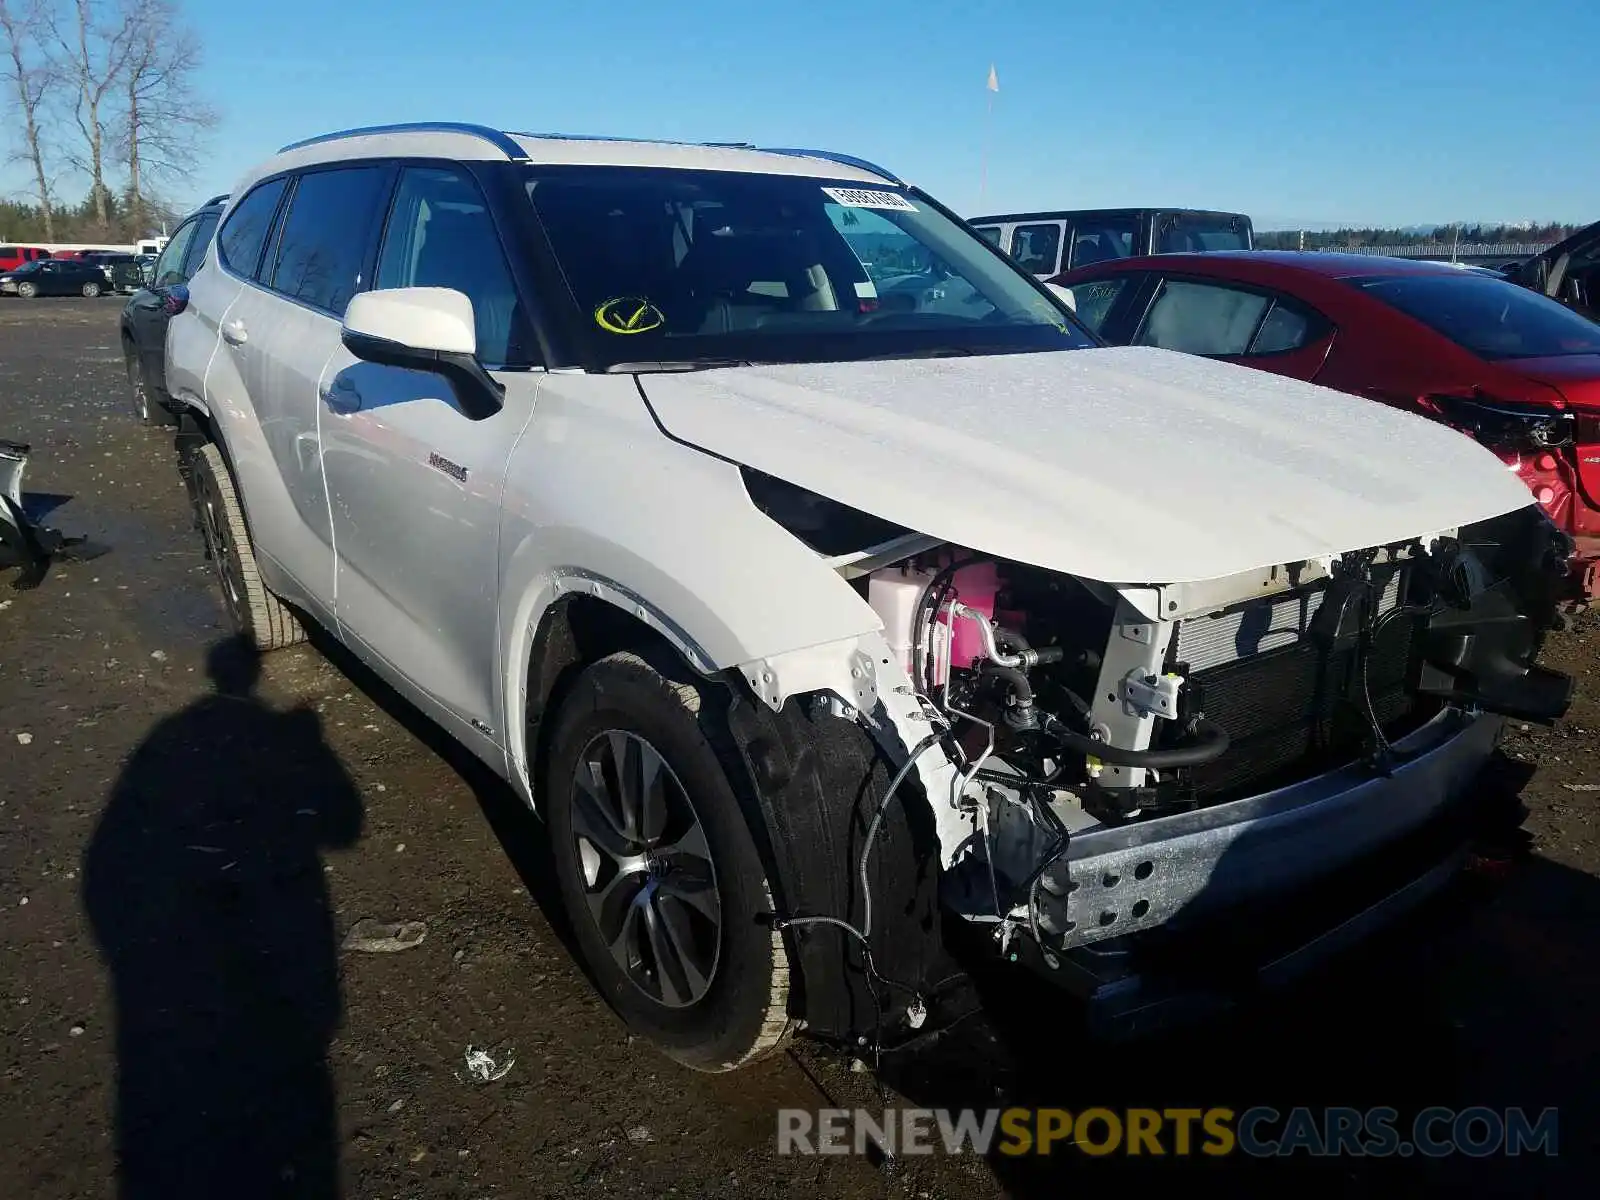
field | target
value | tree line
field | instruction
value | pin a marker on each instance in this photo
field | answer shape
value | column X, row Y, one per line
column 101, row 91
column 1441, row 235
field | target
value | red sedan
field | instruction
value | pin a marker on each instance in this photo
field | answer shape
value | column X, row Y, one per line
column 1512, row 368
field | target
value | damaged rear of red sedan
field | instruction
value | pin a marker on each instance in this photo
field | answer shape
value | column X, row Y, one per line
column 1516, row 370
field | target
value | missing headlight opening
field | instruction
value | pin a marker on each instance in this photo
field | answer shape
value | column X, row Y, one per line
column 1073, row 707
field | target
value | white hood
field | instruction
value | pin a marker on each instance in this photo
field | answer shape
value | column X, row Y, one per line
column 1124, row 464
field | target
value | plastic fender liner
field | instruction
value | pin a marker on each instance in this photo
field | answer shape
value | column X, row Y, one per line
column 818, row 779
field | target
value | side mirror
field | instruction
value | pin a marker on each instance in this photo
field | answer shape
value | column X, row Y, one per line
column 424, row 329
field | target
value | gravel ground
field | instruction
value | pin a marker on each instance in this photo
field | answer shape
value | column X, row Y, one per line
column 175, row 991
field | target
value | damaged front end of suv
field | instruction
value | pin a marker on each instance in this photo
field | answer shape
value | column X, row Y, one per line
column 1119, row 772
column 1111, row 766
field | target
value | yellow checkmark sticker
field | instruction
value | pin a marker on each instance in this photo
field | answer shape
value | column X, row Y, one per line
column 629, row 314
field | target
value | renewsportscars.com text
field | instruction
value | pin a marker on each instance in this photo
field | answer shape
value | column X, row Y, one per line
column 1258, row 1132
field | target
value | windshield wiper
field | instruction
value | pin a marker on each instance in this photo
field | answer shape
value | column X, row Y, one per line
column 683, row 364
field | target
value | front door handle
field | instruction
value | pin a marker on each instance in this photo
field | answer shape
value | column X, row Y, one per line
column 234, row 333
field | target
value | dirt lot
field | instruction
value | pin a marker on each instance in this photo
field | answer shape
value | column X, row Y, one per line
column 174, row 982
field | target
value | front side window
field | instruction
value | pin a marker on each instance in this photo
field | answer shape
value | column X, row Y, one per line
column 1037, row 248
column 1490, row 317
column 704, row 267
column 440, row 234
column 989, row 233
column 1094, row 299
column 169, row 267
column 325, row 236
column 1202, row 318
column 245, row 231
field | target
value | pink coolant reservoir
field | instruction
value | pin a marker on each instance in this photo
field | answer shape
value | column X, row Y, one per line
column 975, row 587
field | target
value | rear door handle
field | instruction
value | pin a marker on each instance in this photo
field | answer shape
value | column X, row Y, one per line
column 234, row 333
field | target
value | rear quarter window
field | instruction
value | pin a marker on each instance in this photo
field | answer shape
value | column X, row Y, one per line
column 245, row 231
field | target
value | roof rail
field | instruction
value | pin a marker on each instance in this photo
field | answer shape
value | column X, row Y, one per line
column 500, row 141
column 215, row 200
column 848, row 160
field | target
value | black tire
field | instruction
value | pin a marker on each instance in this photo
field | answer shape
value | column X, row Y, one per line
column 91, row 291
column 255, row 612
column 742, row 1013
column 147, row 410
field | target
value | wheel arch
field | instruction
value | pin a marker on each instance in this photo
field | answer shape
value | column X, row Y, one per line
column 809, row 779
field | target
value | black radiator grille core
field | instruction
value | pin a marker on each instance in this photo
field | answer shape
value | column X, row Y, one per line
column 1293, row 711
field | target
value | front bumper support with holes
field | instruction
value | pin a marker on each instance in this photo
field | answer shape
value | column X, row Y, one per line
column 1119, row 880
column 1226, row 900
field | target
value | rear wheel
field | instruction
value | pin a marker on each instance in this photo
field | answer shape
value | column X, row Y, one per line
column 92, row 290
column 661, row 879
column 255, row 612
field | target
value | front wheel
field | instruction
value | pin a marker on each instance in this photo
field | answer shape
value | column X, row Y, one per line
column 28, row 291
column 255, row 612
column 91, row 290
column 668, row 899
column 145, row 410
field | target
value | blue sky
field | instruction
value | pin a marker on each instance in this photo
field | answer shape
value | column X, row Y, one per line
column 1361, row 111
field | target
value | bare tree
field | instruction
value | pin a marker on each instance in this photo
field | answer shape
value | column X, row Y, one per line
column 93, row 43
column 28, row 74
column 162, row 128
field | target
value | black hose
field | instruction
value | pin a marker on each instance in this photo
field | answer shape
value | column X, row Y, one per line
column 1015, row 677
column 922, row 620
column 1211, row 744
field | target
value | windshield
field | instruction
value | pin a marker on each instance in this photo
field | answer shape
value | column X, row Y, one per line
column 27, row 268
column 1490, row 317
column 1188, row 233
column 708, row 267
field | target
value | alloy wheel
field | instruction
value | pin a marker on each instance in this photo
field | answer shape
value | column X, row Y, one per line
column 141, row 401
column 224, row 554
column 647, row 872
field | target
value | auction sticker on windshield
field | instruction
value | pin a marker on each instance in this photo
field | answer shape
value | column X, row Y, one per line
column 866, row 198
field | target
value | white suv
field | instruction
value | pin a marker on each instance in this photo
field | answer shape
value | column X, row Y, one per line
column 817, row 577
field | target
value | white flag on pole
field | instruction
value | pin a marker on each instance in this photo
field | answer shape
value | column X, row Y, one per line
column 994, row 80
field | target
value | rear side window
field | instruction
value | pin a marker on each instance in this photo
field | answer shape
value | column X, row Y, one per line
column 1103, row 239
column 1037, row 248
column 1202, row 318
column 245, row 231
column 326, row 233
column 440, row 234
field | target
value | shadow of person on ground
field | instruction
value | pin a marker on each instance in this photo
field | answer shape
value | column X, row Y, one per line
column 204, row 886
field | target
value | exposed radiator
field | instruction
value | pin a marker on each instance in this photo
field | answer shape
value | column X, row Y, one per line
column 1257, row 626
column 1290, row 705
